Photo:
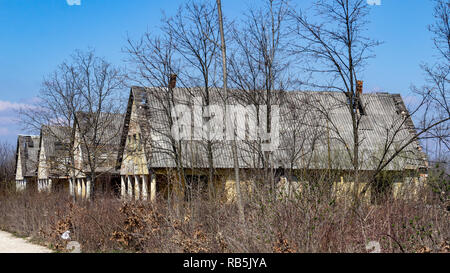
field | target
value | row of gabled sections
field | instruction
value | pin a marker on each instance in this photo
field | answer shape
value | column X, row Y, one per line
column 61, row 154
column 315, row 133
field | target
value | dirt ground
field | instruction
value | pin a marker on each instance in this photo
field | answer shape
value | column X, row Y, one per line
column 11, row 244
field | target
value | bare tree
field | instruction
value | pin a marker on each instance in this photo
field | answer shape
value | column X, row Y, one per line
column 337, row 49
column 437, row 76
column 196, row 32
column 338, row 52
column 432, row 109
column 441, row 29
column 6, row 163
column 435, row 95
column 82, row 94
column 99, row 121
column 258, row 70
column 155, row 65
column 58, row 101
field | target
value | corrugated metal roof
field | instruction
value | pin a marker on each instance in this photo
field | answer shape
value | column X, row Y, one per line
column 311, row 124
column 104, row 146
column 108, row 127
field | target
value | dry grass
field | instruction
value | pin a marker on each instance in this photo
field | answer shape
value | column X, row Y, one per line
column 301, row 224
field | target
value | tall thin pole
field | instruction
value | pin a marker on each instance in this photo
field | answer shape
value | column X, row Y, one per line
column 225, row 90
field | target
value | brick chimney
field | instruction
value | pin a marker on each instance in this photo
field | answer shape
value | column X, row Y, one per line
column 172, row 81
column 359, row 87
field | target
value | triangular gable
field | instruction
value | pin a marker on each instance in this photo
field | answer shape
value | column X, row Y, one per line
column 19, row 173
column 42, row 163
column 134, row 162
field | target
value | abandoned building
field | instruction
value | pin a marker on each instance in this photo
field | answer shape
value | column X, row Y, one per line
column 26, row 161
column 53, row 168
column 136, row 155
column 315, row 133
column 96, row 145
column 61, row 158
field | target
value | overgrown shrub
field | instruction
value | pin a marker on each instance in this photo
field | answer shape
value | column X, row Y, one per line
column 311, row 223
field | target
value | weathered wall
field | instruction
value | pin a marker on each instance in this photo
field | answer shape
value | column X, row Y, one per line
column 409, row 188
column 346, row 190
column 43, row 171
column 134, row 161
column 19, row 175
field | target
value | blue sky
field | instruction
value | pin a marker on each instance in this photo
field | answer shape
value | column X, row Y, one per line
column 37, row 35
